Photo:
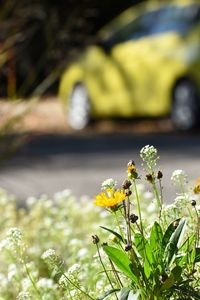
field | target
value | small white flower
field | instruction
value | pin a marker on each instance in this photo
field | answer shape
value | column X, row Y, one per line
column 63, row 280
column 4, row 244
column 179, row 176
column 49, row 256
column 108, row 183
column 62, row 195
column 180, row 201
column 12, row 271
column 198, row 208
column 26, row 283
column 46, row 283
column 14, row 236
column 149, row 155
column 3, row 281
column 82, row 252
column 31, row 201
column 24, row 296
column 74, row 269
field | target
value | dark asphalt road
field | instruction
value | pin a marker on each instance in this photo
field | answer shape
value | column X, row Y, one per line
column 48, row 164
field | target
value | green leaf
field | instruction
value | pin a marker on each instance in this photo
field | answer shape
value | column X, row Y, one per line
column 127, row 294
column 124, row 293
column 121, row 260
column 197, row 256
column 143, row 248
column 147, row 269
column 107, row 294
column 156, row 238
column 187, row 255
column 174, row 243
column 113, row 232
column 174, row 277
column 167, row 235
column 132, row 296
column 188, row 291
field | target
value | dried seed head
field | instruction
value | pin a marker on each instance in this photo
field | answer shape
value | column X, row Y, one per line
column 128, row 193
column 193, row 202
column 126, row 184
column 128, row 247
column 133, row 218
column 95, row 239
column 150, row 178
column 159, row 175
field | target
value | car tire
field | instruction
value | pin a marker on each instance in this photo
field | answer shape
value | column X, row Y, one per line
column 79, row 107
column 185, row 107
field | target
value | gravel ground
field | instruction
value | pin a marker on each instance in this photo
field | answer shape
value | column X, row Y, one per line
column 47, row 116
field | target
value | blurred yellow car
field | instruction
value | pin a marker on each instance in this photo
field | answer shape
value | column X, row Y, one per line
column 147, row 64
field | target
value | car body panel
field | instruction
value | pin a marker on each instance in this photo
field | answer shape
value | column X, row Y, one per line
column 135, row 77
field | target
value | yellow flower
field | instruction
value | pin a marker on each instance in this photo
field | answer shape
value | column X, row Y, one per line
column 109, row 198
column 197, row 187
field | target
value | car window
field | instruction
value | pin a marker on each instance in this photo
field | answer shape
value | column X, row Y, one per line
column 164, row 19
column 174, row 18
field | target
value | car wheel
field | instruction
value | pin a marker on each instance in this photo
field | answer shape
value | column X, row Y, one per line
column 185, row 107
column 79, row 107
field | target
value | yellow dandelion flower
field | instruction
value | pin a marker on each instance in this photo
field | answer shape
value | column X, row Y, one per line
column 109, row 198
column 131, row 169
column 197, row 187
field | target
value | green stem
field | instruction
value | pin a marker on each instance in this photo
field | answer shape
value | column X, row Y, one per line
column 31, row 279
column 185, row 196
column 101, row 261
column 197, row 228
column 159, row 203
column 138, row 207
column 116, row 274
column 77, row 287
column 118, row 225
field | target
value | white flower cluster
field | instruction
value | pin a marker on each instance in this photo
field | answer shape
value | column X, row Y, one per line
column 149, row 155
column 24, row 296
column 49, row 256
column 14, row 237
column 74, row 269
column 178, row 177
column 108, row 183
column 46, row 284
column 72, row 274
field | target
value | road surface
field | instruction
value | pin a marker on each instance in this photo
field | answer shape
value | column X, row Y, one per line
column 80, row 162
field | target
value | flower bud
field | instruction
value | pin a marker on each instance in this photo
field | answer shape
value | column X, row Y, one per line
column 133, row 218
column 150, row 178
column 193, row 202
column 128, row 247
column 159, row 175
column 128, row 193
column 95, row 239
column 126, row 184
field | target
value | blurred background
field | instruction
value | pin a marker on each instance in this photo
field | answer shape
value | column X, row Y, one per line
column 39, row 152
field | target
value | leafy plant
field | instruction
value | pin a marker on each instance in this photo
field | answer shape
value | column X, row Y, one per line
column 159, row 260
column 145, row 249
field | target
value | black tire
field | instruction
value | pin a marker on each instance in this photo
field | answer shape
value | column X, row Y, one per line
column 78, row 114
column 185, row 107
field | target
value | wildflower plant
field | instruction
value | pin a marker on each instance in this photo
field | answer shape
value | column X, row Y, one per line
column 150, row 261
column 142, row 249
